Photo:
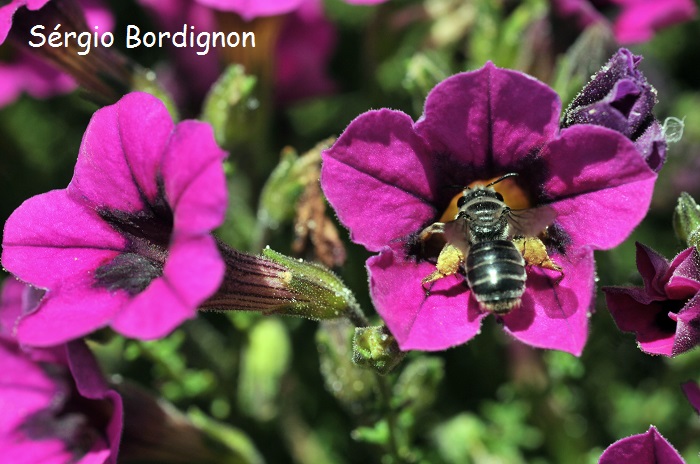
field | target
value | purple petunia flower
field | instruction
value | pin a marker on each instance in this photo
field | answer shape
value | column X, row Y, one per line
column 388, row 178
column 665, row 313
column 620, row 98
column 56, row 405
column 645, row 447
column 127, row 243
column 636, row 20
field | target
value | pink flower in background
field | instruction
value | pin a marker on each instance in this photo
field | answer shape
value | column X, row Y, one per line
column 388, row 178
column 26, row 73
column 665, row 313
column 56, row 405
column 127, row 243
column 59, row 411
column 635, row 20
column 645, row 447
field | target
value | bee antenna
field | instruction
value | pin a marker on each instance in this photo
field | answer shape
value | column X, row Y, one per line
column 503, row 177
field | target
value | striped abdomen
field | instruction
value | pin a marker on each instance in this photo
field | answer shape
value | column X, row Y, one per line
column 496, row 275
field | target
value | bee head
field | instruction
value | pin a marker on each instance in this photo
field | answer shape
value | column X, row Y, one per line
column 470, row 194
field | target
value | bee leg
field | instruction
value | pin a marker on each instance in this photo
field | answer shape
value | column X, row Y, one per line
column 448, row 263
column 535, row 253
column 434, row 228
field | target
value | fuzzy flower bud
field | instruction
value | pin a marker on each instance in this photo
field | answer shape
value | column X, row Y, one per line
column 686, row 220
column 375, row 348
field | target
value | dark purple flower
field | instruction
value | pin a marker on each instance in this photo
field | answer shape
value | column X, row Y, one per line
column 620, row 98
column 127, row 243
column 635, row 20
column 648, row 447
column 56, row 406
column 665, row 313
column 388, row 178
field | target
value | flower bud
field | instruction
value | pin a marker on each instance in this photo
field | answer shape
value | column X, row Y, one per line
column 686, row 220
column 375, row 348
column 277, row 284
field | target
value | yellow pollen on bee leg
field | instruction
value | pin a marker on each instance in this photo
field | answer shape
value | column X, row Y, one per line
column 513, row 196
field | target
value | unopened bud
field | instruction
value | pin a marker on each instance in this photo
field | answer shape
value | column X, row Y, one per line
column 277, row 284
column 686, row 220
column 374, row 347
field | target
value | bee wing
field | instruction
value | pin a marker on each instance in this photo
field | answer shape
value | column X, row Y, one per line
column 530, row 222
column 456, row 234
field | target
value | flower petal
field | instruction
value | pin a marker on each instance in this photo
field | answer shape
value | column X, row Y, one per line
column 445, row 318
column 654, row 269
column 645, row 447
column 684, row 281
column 554, row 313
column 688, row 327
column 655, row 331
column 379, row 177
column 488, row 120
column 692, row 392
column 91, row 384
column 121, row 153
column 193, row 174
column 599, row 185
column 70, row 313
column 51, row 240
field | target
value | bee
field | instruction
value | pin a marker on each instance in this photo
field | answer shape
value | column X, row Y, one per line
column 493, row 244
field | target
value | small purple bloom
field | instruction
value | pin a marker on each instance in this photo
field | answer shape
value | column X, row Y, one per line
column 388, row 178
column 56, row 406
column 645, row 447
column 127, row 243
column 636, row 20
column 620, row 98
column 665, row 313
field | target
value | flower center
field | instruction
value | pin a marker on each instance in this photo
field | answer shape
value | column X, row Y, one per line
column 147, row 233
column 513, row 196
column 77, row 421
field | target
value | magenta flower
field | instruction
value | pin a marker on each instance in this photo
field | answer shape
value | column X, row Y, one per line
column 635, row 20
column 127, row 243
column 620, row 98
column 56, row 405
column 388, row 178
column 645, row 447
column 665, row 313
column 57, row 412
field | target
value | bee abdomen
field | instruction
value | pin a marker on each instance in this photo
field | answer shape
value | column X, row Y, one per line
column 496, row 275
